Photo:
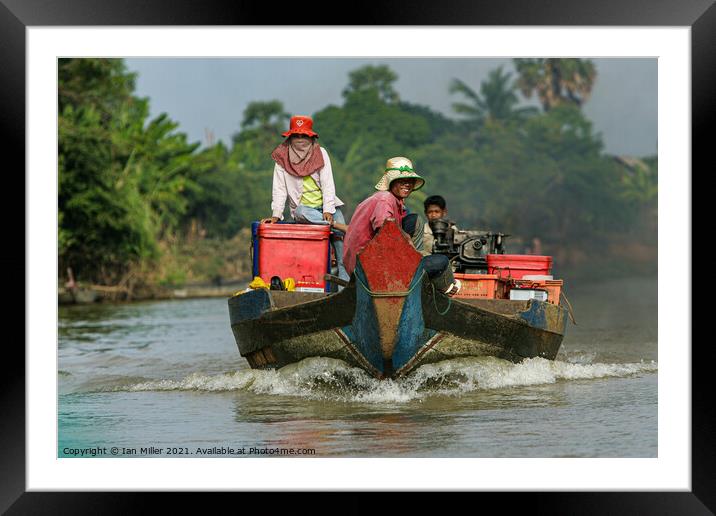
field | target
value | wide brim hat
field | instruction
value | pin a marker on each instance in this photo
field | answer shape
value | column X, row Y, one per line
column 399, row 168
column 301, row 125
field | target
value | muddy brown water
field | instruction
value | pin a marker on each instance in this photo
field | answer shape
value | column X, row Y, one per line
column 150, row 378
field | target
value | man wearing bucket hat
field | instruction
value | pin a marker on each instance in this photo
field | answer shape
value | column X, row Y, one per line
column 303, row 175
column 398, row 182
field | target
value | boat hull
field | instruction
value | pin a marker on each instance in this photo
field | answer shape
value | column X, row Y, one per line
column 271, row 333
column 390, row 319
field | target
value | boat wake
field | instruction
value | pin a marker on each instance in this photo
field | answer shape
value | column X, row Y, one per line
column 325, row 378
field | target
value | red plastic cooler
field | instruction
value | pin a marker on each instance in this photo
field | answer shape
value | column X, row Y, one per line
column 298, row 251
column 517, row 265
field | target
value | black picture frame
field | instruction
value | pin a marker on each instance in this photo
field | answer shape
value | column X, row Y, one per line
column 17, row 15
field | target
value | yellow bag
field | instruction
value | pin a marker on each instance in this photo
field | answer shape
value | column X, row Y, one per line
column 258, row 283
column 289, row 284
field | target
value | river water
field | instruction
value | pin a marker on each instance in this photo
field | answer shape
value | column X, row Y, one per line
column 165, row 379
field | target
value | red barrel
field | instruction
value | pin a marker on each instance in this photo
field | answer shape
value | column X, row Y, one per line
column 298, row 251
column 518, row 265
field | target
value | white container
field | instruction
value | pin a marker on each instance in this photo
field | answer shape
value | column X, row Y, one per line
column 538, row 277
column 309, row 289
column 525, row 295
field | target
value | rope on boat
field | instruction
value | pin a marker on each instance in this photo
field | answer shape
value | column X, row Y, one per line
column 435, row 301
column 406, row 293
column 569, row 307
column 372, row 293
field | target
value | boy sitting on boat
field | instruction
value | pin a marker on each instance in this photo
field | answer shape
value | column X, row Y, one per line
column 435, row 209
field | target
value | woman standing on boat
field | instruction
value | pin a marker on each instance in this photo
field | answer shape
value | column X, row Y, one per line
column 302, row 174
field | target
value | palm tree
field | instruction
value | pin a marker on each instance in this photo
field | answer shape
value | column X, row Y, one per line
column 496, row 101
column 556, row 81
column 475, row 110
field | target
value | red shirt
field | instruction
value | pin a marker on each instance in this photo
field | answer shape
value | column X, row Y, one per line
column 365, row 222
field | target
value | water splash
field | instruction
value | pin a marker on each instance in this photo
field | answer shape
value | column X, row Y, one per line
column 330, row 379
column 239, row 380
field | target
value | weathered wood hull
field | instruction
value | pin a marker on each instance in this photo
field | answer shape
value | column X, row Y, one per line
column 390, row 326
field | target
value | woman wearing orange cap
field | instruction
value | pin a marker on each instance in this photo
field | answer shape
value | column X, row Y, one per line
column 303, row 175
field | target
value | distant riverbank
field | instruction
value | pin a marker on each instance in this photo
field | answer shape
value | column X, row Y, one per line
column 212, row 268
column 98, row 293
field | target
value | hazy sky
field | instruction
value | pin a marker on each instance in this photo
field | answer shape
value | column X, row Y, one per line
column 211, row 94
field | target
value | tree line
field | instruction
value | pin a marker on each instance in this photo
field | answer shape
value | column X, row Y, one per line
column 128, row 182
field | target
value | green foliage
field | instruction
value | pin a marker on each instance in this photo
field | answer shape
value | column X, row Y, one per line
column 378, row 80
column 386, row 129
column 264, row 121
column 370, row 127
column 234, row 191
column 497, row 100
column 102, row 220
column 449, row 169
column 265, row 115
column 173, row 278
column 131, row 189
column 121, row 178
column 198, row 260
column 640, row 181
column 438, row 124
column 546, row 177
column 102, row 84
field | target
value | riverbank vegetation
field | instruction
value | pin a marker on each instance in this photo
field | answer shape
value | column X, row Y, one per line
column 138, row 200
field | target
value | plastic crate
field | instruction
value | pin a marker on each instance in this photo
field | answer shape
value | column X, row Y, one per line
column 516, row 266
column 477, row 286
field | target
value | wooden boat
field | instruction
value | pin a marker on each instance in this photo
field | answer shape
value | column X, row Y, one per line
column 390, row 319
